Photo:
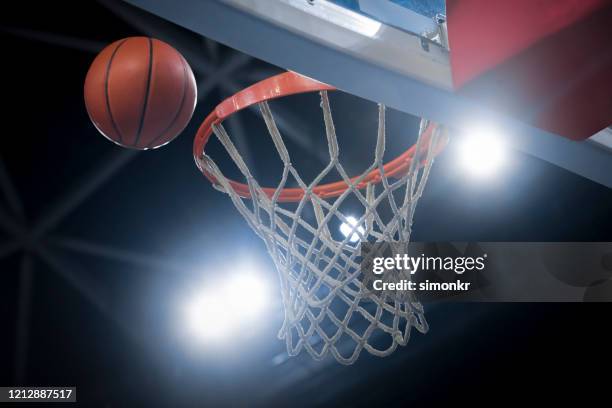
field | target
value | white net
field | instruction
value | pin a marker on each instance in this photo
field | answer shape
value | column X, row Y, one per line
column 329, row 308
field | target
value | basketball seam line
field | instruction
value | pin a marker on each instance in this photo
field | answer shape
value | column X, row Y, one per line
column 107, row 93
column 180, row 109
column 147, row 92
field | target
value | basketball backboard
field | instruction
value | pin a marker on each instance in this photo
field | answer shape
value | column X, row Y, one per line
column 388, row 51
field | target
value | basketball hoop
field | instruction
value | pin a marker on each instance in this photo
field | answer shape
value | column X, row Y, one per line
column 328, row 308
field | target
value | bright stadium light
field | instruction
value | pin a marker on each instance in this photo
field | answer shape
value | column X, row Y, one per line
column 249, row 295
column 482, row 152
column 221, row 311
column 349, row 226
column 207, row 317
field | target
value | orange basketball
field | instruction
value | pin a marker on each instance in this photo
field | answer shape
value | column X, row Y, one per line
column 140, row 92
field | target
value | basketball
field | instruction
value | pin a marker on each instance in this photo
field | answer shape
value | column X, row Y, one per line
column 140, row 93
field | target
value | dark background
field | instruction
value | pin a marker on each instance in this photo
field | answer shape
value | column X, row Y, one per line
column 97, row 244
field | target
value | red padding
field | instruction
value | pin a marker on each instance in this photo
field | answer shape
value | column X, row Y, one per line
column 546, row 62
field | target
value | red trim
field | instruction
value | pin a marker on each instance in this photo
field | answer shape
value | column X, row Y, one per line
column 545, row 62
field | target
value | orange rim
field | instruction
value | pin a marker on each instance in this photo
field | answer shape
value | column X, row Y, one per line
column 290, row 83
